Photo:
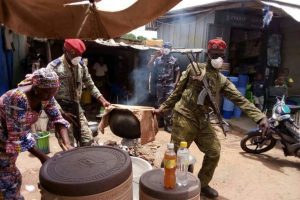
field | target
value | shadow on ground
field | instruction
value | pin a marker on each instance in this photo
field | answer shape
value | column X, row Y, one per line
column 272, row 162
column 218, row 198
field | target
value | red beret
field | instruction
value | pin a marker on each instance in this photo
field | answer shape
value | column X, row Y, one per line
column 75, row 44
column 216, row 44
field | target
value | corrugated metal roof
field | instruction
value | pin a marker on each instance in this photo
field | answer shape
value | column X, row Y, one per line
column 113, row 43
column 293, row 11
column 290, row 7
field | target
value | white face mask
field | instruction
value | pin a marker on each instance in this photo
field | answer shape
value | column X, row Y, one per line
column 217, row 63
column 166, row 51
column 76, row 60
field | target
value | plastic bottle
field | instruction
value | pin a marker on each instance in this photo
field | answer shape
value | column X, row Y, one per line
column 182, row 164
column 170, row 167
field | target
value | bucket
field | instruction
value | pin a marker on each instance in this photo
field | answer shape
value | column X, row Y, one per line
column 152, row 187
column 42, row 141
column 87, row 173
column 139, row 167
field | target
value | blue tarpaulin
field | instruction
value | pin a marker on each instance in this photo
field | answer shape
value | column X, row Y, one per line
column 6, row 65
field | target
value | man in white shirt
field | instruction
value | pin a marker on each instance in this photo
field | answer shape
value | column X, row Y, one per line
column 100, row 68
column 101, row 79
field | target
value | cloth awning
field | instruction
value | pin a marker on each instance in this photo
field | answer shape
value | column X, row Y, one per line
column 53, row 19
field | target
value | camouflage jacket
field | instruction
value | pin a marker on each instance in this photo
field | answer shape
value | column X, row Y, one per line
column 185, row 95
column 165, row 68
column 72, row 80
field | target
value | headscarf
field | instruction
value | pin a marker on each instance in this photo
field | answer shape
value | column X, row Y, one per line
column 42, row 78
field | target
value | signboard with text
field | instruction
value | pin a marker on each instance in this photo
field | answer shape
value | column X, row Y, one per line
column 238, row 20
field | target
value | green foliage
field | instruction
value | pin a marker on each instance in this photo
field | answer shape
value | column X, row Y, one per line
column 141, row 38
column 129, row 36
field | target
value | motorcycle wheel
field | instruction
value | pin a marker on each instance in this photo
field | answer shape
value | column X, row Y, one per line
column 256, row 143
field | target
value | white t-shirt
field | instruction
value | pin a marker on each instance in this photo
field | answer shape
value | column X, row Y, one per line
column 100, row 69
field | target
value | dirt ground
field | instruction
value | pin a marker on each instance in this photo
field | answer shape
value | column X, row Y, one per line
column 239, row 176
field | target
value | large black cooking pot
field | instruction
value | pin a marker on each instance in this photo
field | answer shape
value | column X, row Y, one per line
column 124, row 123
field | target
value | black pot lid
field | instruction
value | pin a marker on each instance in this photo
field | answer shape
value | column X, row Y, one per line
column 85, row 171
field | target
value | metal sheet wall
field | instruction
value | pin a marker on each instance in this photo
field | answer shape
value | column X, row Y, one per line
column 291, row 51
column 187, row 32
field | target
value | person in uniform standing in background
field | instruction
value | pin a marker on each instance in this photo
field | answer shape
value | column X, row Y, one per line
column 73, row 74
column 165, row 73
column 191, row 121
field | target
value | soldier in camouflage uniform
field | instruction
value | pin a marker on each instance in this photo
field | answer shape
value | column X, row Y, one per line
column 165, row 74
column 191, row 120
column 73, row 74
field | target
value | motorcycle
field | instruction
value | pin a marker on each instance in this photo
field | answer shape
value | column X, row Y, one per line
column 282, row 129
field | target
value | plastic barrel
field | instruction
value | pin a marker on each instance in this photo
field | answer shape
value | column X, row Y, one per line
column 237, row 111
column 241, row 86
column 152, row 187
column 228, row 106
column 42, row 141
column 87, row 173
column 243, row 81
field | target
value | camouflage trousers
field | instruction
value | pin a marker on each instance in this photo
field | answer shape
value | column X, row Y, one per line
column 162, row 94
column 86, row 133
column 201, row 132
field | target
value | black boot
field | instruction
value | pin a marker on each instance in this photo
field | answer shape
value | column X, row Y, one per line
column 209, row 192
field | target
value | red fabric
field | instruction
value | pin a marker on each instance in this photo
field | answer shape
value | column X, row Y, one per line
column 216, row 44
column 75, row 44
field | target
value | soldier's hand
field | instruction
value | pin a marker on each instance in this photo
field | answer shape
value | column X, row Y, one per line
column 70, row 118
column 264, row 124
column 103, row 101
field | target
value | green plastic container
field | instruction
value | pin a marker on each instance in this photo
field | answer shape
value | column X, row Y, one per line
column 42, row 141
